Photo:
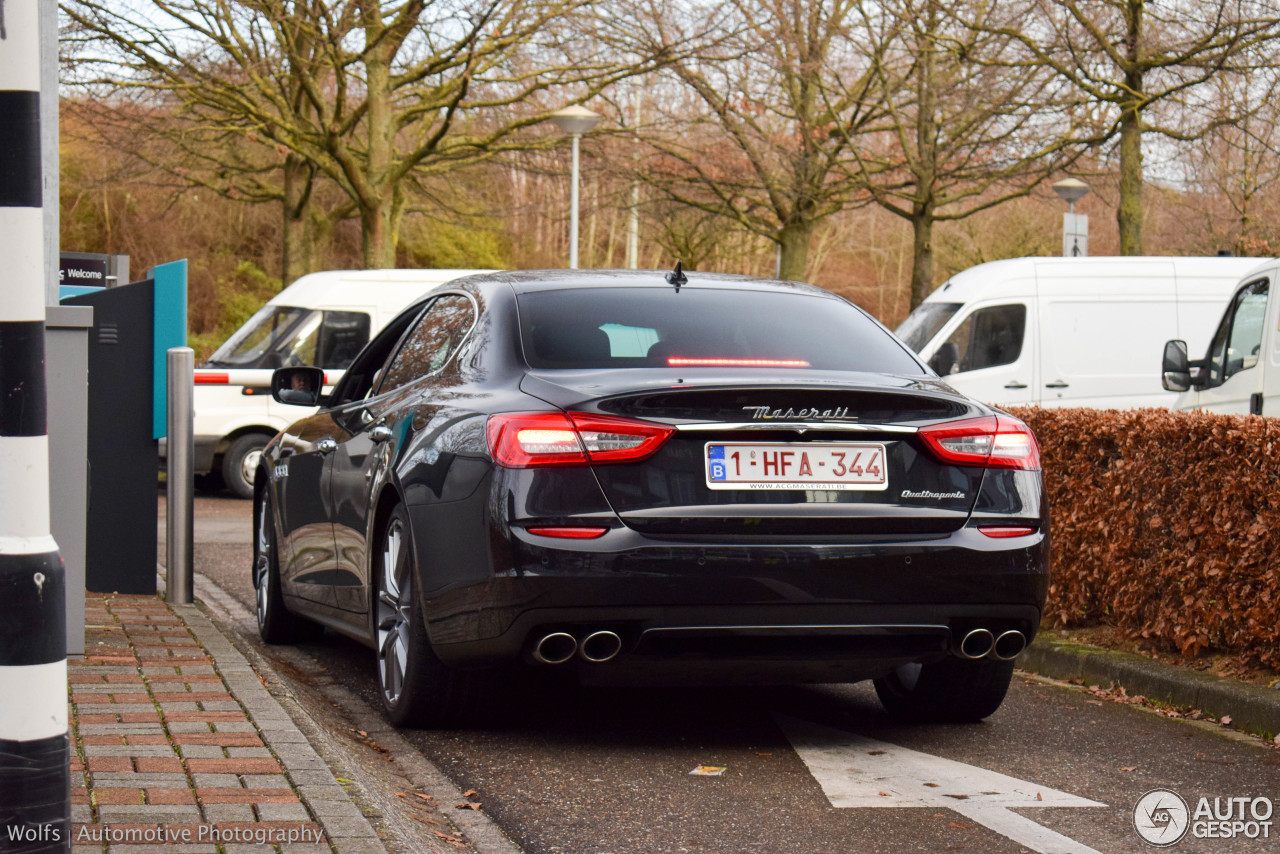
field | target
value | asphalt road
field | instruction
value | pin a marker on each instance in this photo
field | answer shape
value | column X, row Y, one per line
column 594, row 771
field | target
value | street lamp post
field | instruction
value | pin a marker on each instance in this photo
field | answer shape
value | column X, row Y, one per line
column 1075, row 227
column 575, row 121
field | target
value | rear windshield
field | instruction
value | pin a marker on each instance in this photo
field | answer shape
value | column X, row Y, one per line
column 703, row 327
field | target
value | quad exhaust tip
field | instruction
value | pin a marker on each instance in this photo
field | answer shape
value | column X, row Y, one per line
column 599, row 647
column 977, row 644
column 555, row 648
column 1009, row 644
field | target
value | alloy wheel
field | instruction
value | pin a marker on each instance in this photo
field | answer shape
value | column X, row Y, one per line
column 395, row 611
column 262, row 566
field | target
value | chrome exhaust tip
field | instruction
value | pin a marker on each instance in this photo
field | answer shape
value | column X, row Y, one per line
column 555, row 648
column 1009, row 644
column 599, row 647
column 977, row 644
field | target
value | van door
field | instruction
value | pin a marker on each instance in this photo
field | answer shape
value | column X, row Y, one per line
column 989, row 353
column 1233, row 365
column 1098, row 331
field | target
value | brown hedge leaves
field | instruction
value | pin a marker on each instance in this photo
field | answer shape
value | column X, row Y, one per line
column 1165, row 525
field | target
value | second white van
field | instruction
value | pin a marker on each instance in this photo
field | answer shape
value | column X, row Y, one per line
column 1070, row 331
column 1239, row 373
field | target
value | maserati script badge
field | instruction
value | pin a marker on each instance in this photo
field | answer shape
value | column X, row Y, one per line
column 768, row 413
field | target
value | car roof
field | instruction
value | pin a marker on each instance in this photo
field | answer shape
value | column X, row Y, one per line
column 529, row 281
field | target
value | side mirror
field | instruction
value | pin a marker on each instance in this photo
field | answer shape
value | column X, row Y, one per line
column 297, row 386
column 1175, row 373
column 945, row 360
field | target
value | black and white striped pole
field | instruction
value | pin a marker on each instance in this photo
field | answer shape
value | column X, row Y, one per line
column 35, row 812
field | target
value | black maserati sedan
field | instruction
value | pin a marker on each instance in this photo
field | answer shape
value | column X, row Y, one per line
column 649, row 478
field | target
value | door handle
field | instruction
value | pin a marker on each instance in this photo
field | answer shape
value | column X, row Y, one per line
column 1015, row 384
column 326, row 446
column 1057, row 384
column 381, row 433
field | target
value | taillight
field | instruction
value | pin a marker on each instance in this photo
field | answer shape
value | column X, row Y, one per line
column 527, row 439
column 998, row 441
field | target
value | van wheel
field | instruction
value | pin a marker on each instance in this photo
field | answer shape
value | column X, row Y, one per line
column 417, row 688
column 953, row 690
column 240, row 462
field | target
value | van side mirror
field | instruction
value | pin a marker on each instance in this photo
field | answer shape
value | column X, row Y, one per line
column 299, row 386
column 945, row 360
column 1175, row 373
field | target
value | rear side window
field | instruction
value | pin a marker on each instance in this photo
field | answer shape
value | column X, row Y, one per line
column 431, row 342
column 703, row 327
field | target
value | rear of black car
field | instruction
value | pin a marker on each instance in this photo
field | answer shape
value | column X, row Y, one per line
column 745, row 482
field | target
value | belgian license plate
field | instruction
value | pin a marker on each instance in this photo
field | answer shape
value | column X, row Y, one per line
column 796, row 465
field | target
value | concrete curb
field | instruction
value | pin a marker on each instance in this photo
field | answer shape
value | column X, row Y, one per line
column 1252, row 708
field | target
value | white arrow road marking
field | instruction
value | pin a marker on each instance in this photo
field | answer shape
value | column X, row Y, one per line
column 855, row 771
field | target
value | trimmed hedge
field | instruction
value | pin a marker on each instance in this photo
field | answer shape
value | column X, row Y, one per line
column 1165, row 525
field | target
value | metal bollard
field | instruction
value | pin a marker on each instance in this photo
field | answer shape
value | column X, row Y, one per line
column 180, row 498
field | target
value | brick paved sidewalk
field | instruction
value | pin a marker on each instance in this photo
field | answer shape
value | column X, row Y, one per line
column 178, row 746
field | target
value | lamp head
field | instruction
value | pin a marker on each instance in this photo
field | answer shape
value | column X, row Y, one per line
column 1071, row 190
column 575, row 120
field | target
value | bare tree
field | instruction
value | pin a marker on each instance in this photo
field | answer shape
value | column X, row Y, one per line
column 1142, row 67
column 369, row 95
column 963, row 134
column 760, row 129
column 1239, row 162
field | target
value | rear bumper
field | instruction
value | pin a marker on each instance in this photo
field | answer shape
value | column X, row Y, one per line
column 811, row 611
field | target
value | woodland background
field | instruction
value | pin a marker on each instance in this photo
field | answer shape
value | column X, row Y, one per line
column 872, row 148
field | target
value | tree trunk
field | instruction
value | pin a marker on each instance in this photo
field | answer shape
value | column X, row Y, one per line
column 378, row 201
column 925, row 168
column 922, row 255
column 1129, row 213
column 296, row 225
column 377, row 234
column 794, row 241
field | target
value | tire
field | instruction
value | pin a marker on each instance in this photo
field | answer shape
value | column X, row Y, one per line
column 953, row 690
column 276, row 623
column 240, row 462
column 416, row 687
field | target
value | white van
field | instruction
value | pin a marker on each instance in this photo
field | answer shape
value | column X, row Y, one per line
column 1240, row 371
column 1060, row 332
column 322, row 319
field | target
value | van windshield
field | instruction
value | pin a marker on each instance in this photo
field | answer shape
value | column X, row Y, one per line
column 281, row 336
column 923, row 323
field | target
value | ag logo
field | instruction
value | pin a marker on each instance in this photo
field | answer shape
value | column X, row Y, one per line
column 1161, row 817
